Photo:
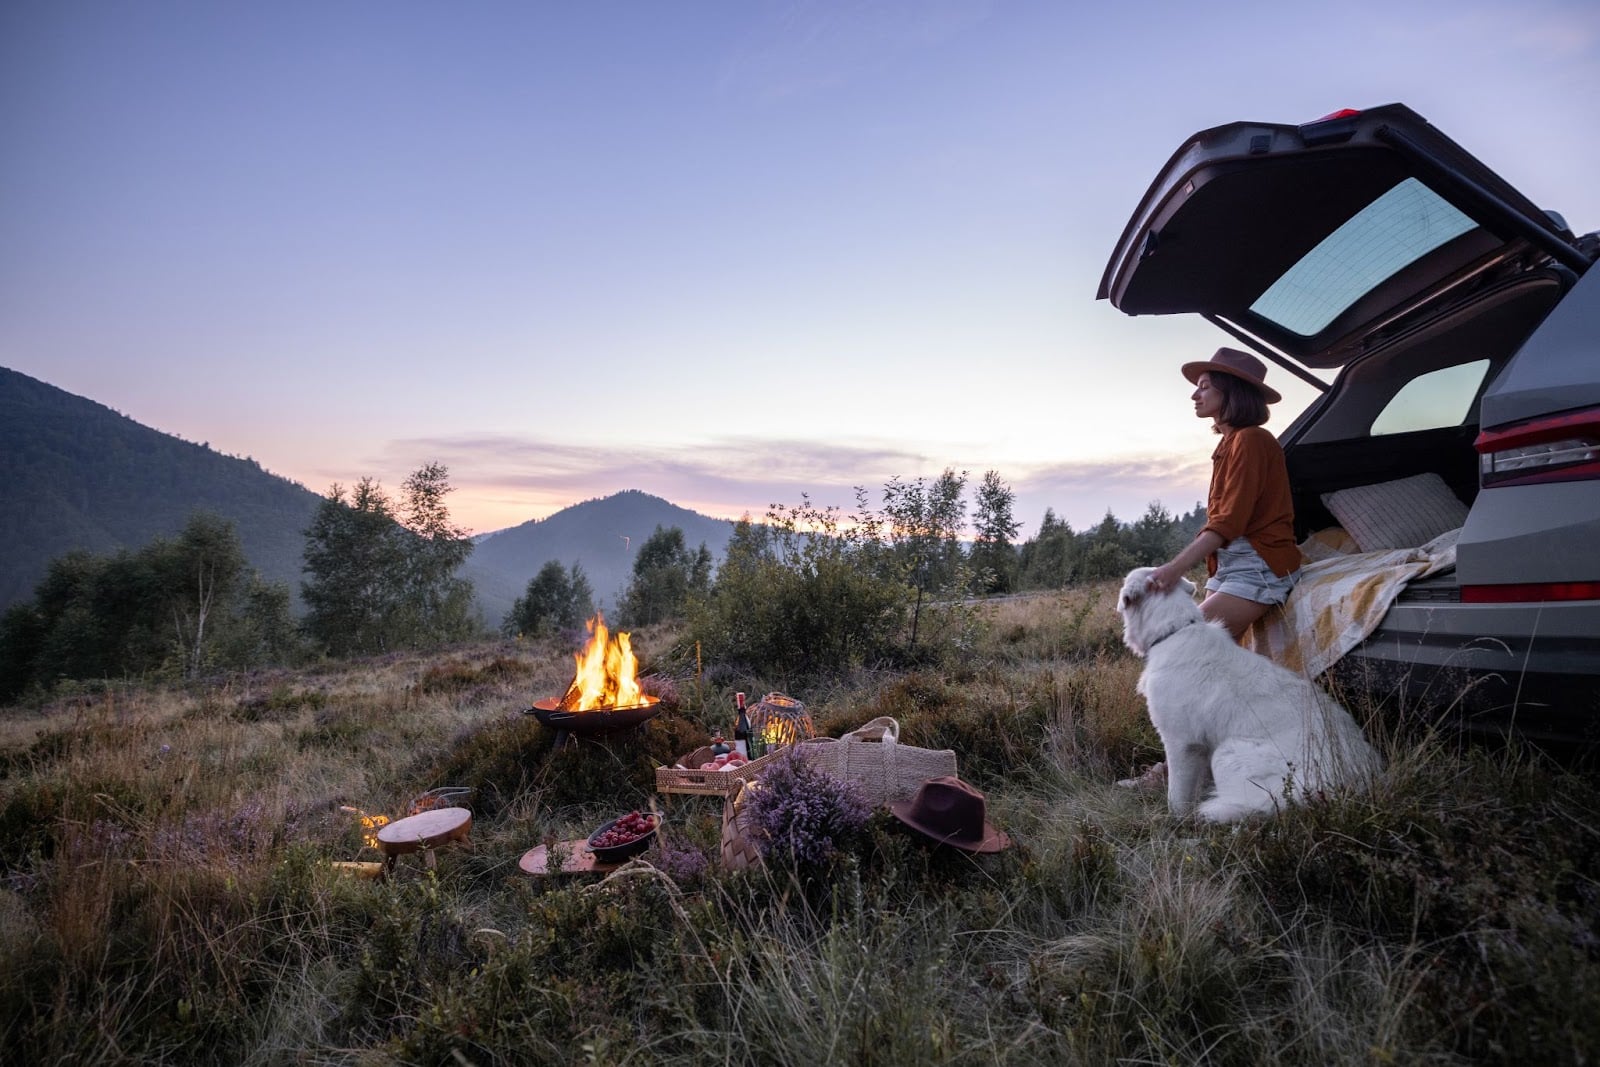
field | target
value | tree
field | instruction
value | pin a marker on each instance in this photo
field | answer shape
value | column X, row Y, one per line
column 174, row 607
column 353, row 561
column 1153, row 539
column 376, row 583
column 666, row 577
column 993, row 559
column 203, row 572
column 437, row 605
column 1049, row 560
column 923, row 525
column 1106, row 553
column 556, row 599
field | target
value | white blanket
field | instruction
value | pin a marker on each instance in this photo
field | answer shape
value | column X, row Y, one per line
column 1341, row 597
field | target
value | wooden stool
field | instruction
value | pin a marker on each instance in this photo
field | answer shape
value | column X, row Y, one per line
column 423, row 832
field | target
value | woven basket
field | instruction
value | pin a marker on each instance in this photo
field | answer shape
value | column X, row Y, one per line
column 684, row 778
column 739, row 848
column 873, row 757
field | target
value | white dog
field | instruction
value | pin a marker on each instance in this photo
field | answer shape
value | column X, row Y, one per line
column 1242, row 734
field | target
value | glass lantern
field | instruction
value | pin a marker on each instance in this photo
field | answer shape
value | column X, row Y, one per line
column 779, row 720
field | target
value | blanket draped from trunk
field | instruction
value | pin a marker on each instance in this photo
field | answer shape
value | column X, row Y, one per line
column 1342, row 595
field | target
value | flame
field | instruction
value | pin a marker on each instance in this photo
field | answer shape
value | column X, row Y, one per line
column 370, row 824
column 608, row 673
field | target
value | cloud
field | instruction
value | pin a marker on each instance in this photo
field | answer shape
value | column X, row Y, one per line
column 731, row 476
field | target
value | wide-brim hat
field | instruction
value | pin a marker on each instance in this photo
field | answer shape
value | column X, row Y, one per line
column 952, row 813
column 1241, row 365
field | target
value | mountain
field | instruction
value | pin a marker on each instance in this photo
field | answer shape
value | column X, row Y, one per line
column 75, row 474
column 601, row 536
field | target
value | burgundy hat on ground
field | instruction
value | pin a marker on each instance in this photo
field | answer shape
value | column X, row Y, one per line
column 952, row 813
column 1241, row 365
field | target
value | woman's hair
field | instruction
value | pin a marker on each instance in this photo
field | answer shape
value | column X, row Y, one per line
column 1242, row 403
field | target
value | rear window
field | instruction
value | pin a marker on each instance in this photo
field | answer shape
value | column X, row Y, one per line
column 1434, row 400
column 1395, row 230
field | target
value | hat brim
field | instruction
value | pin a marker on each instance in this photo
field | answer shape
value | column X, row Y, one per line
column 992, row 841
column 1192, row 371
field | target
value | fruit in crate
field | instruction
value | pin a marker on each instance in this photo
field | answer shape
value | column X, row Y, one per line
column 725, row 761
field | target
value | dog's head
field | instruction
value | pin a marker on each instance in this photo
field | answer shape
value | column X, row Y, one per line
column 1148, row 616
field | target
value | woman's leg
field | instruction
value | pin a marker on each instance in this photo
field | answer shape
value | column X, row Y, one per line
column 1236, row 613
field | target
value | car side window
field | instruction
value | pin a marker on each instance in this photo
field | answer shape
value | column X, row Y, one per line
column 1430, row 401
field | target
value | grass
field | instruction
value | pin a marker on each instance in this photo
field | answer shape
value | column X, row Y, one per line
column 168, row 892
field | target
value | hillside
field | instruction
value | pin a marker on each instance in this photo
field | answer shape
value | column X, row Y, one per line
column 74, row 474
column 601, row 536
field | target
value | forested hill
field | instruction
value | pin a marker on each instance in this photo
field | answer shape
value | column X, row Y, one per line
column 75, row 474
column 600, row 535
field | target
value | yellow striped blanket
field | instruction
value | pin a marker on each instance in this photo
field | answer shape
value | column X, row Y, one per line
column 1341, row 597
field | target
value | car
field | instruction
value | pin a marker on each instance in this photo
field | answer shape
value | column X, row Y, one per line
column 1451, row 328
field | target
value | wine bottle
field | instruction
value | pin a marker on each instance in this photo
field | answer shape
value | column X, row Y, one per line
column 741, row 728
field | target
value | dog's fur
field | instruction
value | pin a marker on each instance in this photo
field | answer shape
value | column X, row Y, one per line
column 1242, row 734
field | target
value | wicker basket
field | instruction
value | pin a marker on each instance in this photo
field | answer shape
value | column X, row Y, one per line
column 687, row 778
column 739, row 849
column 873, row 757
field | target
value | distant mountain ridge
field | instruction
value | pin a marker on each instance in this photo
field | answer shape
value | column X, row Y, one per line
column 74, row 474
column 600, row 535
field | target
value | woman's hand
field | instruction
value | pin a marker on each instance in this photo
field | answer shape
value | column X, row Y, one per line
column 1164, row 577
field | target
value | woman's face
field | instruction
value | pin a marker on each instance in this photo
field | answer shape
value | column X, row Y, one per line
column 1207, row 398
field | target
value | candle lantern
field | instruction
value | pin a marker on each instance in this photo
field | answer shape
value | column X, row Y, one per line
column 780, row 720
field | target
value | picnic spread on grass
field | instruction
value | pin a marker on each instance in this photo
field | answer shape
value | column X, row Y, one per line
column 919, row 787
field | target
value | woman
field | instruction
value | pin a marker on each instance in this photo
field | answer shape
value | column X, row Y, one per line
column 1248, row 545
column 1248, row 539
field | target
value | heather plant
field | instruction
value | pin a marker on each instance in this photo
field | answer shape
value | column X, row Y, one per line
column 804, row 817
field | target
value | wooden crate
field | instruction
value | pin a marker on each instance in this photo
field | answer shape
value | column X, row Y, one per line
column 707, row 783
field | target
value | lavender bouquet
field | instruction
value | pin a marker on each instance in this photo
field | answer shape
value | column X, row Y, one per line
column 802, row 815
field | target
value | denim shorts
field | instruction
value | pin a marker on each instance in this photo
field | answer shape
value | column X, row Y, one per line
column 1241, row 572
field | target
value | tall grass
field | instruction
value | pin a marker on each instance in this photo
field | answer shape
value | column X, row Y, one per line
column 168, row 891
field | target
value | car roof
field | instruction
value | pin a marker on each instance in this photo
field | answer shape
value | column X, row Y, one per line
column 1307, row 237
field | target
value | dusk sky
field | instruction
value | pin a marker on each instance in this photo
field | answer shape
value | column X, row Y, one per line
column 728, row 253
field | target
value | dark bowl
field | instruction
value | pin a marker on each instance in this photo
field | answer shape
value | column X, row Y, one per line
column 618, row 853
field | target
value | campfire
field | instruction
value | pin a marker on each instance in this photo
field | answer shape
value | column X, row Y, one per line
column 604, row 695
column 607, row 678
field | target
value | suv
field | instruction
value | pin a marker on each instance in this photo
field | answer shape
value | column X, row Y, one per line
column 1460, row 327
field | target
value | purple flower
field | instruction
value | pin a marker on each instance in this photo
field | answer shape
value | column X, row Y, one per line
column 802, row 814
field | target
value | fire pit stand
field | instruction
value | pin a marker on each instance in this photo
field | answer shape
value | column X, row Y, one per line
column 569, row 725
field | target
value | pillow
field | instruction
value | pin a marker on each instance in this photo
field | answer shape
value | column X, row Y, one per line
column 1400, row 514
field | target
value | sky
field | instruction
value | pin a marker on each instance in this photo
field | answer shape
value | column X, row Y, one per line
column 733, row 254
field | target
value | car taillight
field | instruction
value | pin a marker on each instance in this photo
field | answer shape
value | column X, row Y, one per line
column 1529, row 592
column 1560, row 448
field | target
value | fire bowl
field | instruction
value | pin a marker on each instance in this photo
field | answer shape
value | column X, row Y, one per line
column 548, row 711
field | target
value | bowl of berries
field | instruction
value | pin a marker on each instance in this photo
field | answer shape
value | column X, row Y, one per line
column 623, row 837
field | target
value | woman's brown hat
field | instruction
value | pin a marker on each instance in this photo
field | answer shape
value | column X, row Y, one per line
column 1241, row 365
column 952, row 813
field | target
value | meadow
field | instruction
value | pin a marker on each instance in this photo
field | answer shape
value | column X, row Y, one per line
column 170, row 893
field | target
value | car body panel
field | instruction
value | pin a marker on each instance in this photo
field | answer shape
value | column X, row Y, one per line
column 1556, row 370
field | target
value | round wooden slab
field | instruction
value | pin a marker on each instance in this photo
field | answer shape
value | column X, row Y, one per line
column 577, row 860
column 426, row 830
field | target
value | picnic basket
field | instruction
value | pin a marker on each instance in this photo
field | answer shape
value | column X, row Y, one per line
column 739, row 849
